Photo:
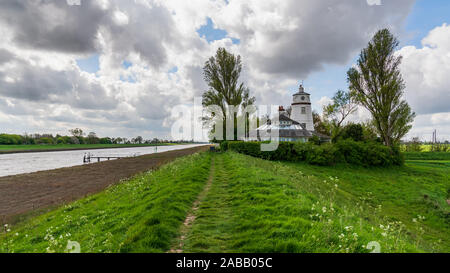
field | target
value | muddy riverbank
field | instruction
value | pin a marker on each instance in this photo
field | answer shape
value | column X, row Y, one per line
column 22, row 194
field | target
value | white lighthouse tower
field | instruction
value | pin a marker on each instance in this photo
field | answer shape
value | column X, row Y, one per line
column 301, row 109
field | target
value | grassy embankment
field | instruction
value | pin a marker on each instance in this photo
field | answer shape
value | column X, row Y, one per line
column 261, row 206
column 37, row 148
column 255, row 206
column 139, row 215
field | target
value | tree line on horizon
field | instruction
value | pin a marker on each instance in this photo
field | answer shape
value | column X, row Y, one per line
column 77, row 136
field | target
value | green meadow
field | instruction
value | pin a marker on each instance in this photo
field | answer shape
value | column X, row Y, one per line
column 253, row 205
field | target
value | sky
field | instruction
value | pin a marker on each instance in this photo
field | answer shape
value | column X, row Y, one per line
column 119, row 68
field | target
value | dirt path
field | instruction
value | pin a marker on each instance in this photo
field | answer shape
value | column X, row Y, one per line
column 191, row 215
column 23, row 194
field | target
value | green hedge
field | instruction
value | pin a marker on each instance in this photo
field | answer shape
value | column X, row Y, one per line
column 345, row 151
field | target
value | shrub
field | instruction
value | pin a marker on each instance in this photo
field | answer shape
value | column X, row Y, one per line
column 106, row 140
column 45, row 140
column 346, row 151
column 353, row 131
column 302, row 150
column 224, row 145
column 438, row 147
column 322, row 155
column 6, row 139
column 314, row 140
column 74, row 140
column 351, row 152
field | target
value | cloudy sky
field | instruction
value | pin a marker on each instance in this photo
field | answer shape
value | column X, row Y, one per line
column 118, row 67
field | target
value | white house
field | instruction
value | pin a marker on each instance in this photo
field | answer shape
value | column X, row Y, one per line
column 294, row 125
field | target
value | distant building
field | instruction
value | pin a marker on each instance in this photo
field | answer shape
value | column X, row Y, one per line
column 294, row 125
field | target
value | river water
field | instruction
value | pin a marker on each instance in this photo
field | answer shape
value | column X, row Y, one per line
column 12, row 164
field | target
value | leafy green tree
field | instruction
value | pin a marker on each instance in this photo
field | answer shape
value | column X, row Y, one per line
column 321, row 125
column 353, row 131
column 370, row 131
column 106, row 140
column 45, row 140
column 6, row 139
column 415, row 145
column 60, row 140
column 92, row 138
column 342, row 106
column 378, row 86
column 314, row 140
column 221, row 72
column 139, row 140
column 77, row 132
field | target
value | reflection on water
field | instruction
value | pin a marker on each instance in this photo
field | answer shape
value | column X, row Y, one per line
column 12, row 164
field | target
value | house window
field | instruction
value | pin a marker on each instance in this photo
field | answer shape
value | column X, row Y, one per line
column 303, row 110
column 303, row 125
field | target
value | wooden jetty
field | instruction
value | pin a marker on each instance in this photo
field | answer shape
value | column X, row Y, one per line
column 88, row 158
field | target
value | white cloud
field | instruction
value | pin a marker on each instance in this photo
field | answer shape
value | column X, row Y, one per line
column 293, row 38
column 280, row 43
column 323, row 102
column 374, row 2
column 426, row 72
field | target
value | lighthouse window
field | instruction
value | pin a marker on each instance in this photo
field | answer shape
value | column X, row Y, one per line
column 303, row 110
column 303, row 98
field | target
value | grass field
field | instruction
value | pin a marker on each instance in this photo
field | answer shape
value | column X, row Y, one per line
column 424, row 147
column 37, row 148
column 427, row 156
column 262, row 206
column 254, row 206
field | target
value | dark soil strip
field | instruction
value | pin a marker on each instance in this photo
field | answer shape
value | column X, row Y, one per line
column 191, row 216
column 22, row 194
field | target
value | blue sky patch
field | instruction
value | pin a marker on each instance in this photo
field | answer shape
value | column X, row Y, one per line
column 129, row 79
column 425, row 16
column 90, row 65
column 126, row 64
column 173, row 69
column 235, row 41
column 212, row 34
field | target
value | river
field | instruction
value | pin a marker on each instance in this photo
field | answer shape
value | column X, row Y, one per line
column 13, row 164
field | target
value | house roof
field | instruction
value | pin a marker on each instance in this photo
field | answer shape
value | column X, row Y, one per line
column 301, row 91
column 322, row 136
column 285, row 118
column 287, row 133
column 294, row 130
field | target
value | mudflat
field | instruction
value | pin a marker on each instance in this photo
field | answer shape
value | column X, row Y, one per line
column 22, row 194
